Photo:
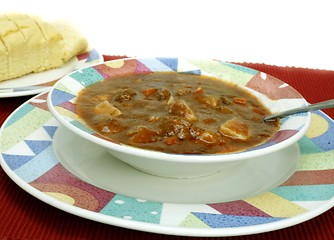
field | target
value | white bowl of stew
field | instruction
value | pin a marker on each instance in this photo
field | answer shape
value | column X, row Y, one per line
column 176, row 117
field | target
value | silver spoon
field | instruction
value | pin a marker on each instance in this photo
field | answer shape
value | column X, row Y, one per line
column 311, row 107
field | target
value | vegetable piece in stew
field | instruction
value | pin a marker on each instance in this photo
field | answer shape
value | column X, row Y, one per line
column 175, row 113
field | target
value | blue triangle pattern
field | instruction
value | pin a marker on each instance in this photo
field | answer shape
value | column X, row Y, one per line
column 93, row 55
column 226, row 221
column 172, row 63
column 37, row 146
column 16, row 161
column 58, row 97
column 50, row 130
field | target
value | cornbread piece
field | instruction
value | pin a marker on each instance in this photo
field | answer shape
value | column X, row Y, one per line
column 15, row 45
column 29, row 44
column 73, row 41
column 36, row 46
column 3, row 61
column 55, row 43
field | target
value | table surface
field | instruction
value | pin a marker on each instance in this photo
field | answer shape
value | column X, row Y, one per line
column 25, row 217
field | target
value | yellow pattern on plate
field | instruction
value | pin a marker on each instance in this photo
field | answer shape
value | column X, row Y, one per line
column 275, row 205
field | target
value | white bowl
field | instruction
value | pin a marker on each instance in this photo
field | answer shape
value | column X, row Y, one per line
column 275, row 94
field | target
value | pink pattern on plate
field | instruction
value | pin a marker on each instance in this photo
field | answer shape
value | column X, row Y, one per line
column 40, row 104
column 283, row 135
column 130, row 66
column 60, row 176
column 272, row 87
column 239, row 208
column 68, row 106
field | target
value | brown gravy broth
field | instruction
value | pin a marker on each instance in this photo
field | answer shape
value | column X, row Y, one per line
column 175, row 113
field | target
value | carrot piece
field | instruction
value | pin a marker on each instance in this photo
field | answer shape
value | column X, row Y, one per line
column 199, row 90
column 241, row 101
column 144, row 135
column 171, row 140
column 149, row 91
column 259, row 111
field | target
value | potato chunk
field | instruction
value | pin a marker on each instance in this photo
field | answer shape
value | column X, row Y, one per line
column 235, row 129
column 210, row 100
column 181, row 108
column 209, row 138
column 107, row 108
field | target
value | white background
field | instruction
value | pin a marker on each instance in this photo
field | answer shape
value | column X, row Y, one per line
column 284, row 33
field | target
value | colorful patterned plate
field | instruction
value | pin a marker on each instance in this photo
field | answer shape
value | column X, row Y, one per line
column 28, row 158
column 40, row 82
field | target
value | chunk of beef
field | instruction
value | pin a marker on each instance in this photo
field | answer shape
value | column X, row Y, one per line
column 125, row 95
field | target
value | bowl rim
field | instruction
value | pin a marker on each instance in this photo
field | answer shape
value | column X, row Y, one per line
column 173, row 157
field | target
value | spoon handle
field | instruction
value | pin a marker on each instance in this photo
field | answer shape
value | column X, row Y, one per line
column 311, row 107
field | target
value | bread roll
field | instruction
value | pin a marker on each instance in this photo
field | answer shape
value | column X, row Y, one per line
column 28, row 44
